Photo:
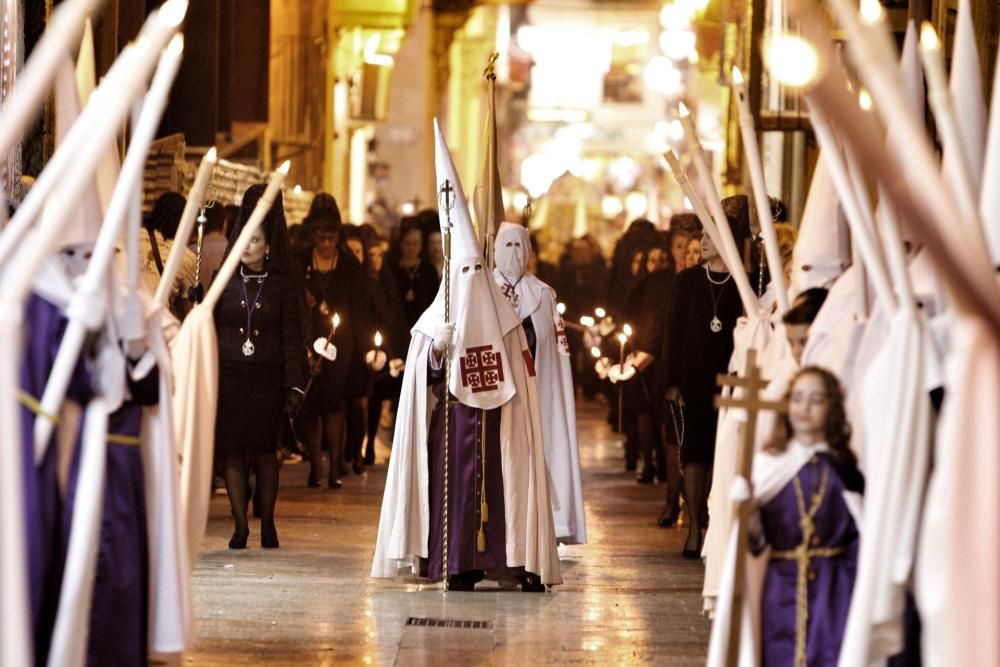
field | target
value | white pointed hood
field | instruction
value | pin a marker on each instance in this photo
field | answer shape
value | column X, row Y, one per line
column 480, row 372
column 822, row 251
column 967, row 100
column 82, row 231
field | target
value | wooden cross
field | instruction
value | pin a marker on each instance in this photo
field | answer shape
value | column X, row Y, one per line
column 751, row 383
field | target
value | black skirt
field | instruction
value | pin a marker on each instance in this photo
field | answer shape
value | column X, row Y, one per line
column 251, row 407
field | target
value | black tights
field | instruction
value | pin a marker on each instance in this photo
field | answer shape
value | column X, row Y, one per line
column 237, row 468
column 330, row 427
column 651, row 444
column 357, row 422
column 374, row 417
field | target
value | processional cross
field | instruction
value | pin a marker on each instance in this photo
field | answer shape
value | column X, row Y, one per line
column 751, row 382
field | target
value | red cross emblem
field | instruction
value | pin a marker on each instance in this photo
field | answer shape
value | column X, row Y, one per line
column 481, row 369
column 561, row 336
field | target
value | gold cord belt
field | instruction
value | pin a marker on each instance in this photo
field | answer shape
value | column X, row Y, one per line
column 33, row 404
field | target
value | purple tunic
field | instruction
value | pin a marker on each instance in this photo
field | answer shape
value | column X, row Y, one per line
column 465, row 471
column 46, row 544
column 120, row 603
column 827, row 575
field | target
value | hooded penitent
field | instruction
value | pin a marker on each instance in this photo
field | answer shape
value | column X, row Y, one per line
column 492, row 375
column 535, row 303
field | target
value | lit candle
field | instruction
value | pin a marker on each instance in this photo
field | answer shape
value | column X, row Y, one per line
column 587, row 321
column 378, row 340
column 752, row 150
column 939, row 97
column 600, row 312
column 622, row 337
column 334, row 323
column 561, row 308
column 595, row 352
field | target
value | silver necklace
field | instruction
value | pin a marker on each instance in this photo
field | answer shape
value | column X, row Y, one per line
column 679, row 432
column 715, row 326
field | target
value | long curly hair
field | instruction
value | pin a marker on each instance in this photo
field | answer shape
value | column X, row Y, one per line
column 838, row 429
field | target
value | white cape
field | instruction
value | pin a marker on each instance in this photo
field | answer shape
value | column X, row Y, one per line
column 404, row 524
column 557, row 402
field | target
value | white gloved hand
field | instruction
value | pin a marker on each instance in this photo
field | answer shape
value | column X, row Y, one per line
column 619, row 373
column 443, row 336
column 325, row 349
column 602, row 367
column 375, row 359
column 396, row 367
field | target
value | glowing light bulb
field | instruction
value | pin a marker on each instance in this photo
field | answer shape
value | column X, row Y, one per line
column 793, row 60
column 871, row 11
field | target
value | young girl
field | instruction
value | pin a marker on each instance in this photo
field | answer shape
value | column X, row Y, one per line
column 805, row 482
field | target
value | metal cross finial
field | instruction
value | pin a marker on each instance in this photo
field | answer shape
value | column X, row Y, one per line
column 446, row 196
column 490, row 71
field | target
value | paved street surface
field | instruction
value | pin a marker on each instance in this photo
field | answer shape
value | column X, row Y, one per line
column 628, row 596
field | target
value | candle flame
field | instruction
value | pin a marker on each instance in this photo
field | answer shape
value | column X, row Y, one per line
column 737, row 76
column 928, row 36
column 682, row 110
column 595, row 352
column 336, row 320
column 793, row 60
column 285, row 166
column 378, row 339
column 622, row 338
column 871, row 11
column 600, row 312
column 173, row 11
column 561, row 308
column 212, row 155
column 865, row 99
column 587, row 321
column 627, row 329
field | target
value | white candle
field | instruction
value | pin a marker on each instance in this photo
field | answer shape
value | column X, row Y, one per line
column 761, row 201
column 87, row 307
column 243, row 242
column 730, row 253
column 195, row 199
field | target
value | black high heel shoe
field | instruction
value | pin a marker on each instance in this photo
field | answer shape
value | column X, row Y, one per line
column 239, row 539
column 334, row 483
column 668, row 517
column 693, row 554
column 269, row 537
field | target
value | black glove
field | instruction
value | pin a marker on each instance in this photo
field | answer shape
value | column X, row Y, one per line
column 293, row 402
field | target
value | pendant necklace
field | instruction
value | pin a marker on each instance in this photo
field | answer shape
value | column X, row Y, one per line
column 248, row 347
column 510, row 291
column 716, row 324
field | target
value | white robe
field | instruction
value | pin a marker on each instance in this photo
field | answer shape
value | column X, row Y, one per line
column 404, row 525
column 557, row 402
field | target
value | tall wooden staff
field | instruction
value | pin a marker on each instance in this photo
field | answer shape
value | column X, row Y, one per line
column 446, row 200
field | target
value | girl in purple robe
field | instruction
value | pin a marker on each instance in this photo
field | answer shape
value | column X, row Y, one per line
column 806, row 482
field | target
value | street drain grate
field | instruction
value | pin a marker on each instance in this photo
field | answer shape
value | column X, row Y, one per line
column 448, row 623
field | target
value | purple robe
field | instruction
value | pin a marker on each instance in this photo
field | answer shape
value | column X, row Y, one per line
column 830, row 570
column 119, row 612
column 465, row 471
column 46, row 543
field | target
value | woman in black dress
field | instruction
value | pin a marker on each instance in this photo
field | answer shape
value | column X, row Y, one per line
column 706, row 305
column 416, row 279
column 261, row 366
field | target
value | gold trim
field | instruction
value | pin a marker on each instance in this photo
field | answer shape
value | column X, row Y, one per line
column 130, row 440
column 33, row 404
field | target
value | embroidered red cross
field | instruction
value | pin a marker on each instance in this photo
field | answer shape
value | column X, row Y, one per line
column 561, row 336
column 481, row 369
